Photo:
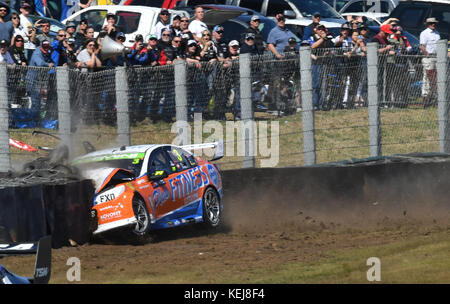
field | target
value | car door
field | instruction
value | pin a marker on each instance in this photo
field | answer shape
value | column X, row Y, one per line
column 158, row 192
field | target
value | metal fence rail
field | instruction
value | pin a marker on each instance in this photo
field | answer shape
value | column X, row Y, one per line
column 312, row 106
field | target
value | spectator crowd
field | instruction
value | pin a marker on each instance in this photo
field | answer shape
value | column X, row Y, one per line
column 178, row 38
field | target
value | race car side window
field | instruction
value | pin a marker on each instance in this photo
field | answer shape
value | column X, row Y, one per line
column 178, row 159
column 190, row 157
column 159, row 161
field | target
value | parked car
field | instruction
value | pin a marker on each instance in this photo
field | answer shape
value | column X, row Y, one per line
column 131, row 20
column 234, row 19
column 412, row 15
column 290, row 8
column 363, row 6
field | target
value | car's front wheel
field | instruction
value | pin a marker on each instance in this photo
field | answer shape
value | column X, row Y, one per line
column 212, row 208
column 141, row 230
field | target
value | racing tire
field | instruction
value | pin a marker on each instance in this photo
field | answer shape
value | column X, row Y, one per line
column 141, row 231
column 212, row 209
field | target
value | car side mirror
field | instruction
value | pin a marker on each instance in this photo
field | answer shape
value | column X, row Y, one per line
column 157, row 175
column 289, row 14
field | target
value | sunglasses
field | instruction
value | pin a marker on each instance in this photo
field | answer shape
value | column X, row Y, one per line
column 164, row 14
column 257, row 20
column 220, row 32
column 19, row 40
column 184, row 20
column 176, row 41
column 206, row 34
column 14, row 17
column 45, row 25
column 61, row 35
column 166, row 35
column 3, row 9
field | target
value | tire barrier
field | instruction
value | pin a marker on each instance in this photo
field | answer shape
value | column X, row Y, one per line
column 31, row 212
column 391, row 186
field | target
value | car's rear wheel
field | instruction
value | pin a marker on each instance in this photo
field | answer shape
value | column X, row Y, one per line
column 212, row 213
column 141, row 230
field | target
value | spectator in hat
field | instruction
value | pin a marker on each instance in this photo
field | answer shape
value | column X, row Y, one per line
column 255, row 22
column 382, row 39
column 193, row 52
column 279, row 36
column 45, row 32
column 249, row 45
column 309, row 30
column 292, row 45
column 197, row 26
column 219, row 42
column 233, row 49
column 175, row 26
column 59, row 49
column 138, row 54
column 70, row 29
column 71, row 54
column 80, row 35
column 363, row 33
column 110, row 27
column 17, row 51
column 42, row 55
column 343, row 40
column 163, row 23
column 5, row 56
column 6, row 27
column 428, row 39
column 166, row 50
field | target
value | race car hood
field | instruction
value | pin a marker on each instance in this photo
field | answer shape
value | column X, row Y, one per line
column 103, row 177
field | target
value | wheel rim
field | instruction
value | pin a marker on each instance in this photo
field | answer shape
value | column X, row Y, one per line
column 141, row 216
column 212, row 206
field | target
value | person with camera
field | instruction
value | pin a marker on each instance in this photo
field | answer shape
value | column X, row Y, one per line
column 320, row 42
column 45, row 32
column 138, row 54
column 59, row 49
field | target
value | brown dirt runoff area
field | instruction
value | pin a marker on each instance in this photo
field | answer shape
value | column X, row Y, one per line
column 287, row 243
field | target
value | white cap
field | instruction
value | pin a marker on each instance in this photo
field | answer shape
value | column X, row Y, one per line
column 233, row 43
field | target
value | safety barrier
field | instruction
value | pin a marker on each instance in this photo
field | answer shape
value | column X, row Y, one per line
column 29, row 213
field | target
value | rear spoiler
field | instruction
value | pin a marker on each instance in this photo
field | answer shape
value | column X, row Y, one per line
column 43, row 251
column 218, row 145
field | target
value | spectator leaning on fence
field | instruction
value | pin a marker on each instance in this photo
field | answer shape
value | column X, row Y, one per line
column 220, row 43
column 88, row 56
column 428, row 39
column 197, row 26
column 249, row 45
column 279, row 36
column 138, row 52
column 5, row 56
column 17, row 51
column 6, row 27
column 178, row 51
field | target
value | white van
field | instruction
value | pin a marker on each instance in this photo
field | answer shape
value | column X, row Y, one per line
column 132, row 20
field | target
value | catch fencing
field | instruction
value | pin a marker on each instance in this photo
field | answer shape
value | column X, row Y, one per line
column 312, row 106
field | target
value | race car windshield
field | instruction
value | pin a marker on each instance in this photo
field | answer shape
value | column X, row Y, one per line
column 133, row 165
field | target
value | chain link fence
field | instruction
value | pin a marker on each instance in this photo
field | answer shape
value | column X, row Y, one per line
column 313, row 106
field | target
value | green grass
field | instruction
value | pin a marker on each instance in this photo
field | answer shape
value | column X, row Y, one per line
column 340, row 135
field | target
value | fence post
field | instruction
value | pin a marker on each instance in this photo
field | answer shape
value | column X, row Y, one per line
column 123, row 115
column 64, row 118
column 248, row 124
column 309, row 141
column 181, row 105
column 5, row 160
column 373, row 101
column 443, row 99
